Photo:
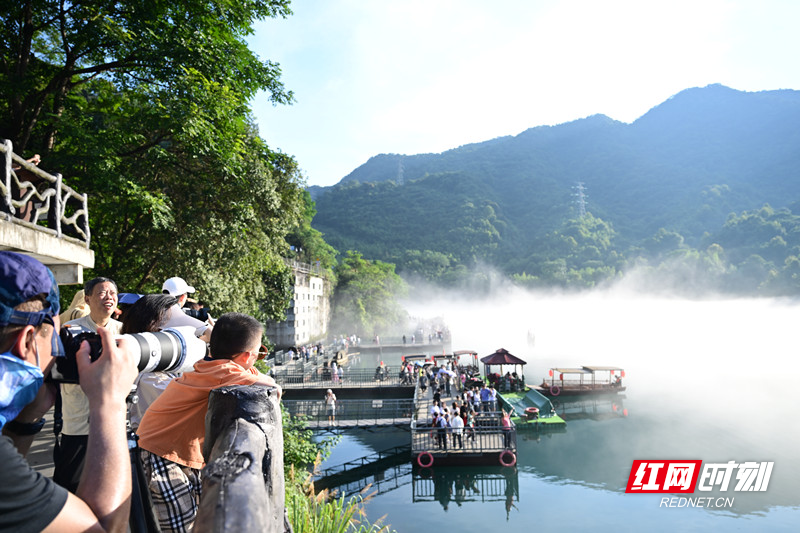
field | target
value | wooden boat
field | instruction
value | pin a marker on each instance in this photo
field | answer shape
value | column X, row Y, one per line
column 583, row 380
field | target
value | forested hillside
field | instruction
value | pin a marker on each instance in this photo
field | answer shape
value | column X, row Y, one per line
column 693, row 172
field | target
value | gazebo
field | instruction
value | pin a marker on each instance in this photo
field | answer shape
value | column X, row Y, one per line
column 500, row 358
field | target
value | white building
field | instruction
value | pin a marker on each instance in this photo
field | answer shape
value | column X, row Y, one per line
column 308, row 315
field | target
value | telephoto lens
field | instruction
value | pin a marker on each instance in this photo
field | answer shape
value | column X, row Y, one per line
column 172, row 349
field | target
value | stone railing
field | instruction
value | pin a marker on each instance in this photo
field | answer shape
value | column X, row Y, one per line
column 243, row 485
column 32, row 197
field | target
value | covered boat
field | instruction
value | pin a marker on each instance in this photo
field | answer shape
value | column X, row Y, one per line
column 583, row 380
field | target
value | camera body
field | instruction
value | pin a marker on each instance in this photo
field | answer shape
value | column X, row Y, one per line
column 172, row 349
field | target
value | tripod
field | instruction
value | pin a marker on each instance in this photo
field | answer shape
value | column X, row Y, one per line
column 142, row 519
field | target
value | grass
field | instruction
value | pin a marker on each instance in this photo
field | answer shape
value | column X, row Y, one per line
column 324, row 513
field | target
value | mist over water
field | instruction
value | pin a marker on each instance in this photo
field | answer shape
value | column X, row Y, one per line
column 711, row 379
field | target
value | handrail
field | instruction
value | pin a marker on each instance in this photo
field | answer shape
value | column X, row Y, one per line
column 317, row 377
column 42, row 197
column 364, row 412
column 480, row 439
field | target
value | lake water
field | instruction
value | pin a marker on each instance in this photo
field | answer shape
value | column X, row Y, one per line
column 713, row 380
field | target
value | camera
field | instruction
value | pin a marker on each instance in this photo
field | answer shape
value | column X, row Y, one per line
column 172, row 349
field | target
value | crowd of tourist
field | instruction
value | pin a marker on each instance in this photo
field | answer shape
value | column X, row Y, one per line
column 90, row 418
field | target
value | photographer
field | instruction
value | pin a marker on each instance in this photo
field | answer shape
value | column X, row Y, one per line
column 150, row 313
column 172, row 430
column 69, row 452
column 28, row 342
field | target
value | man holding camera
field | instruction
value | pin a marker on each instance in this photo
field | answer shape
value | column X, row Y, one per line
column 69, row 452
column 28, row 342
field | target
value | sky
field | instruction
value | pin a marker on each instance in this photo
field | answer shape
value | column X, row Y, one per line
column 425, row 76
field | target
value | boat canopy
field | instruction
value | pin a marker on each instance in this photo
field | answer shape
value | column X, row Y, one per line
column 603, row 368
column 572, row 370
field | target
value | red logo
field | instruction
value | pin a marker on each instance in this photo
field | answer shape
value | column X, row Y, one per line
column 663, row 476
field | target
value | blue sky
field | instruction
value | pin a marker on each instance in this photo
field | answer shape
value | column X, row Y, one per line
column 417, row 76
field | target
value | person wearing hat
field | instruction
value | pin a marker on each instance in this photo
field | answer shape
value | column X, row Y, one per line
column 29, row 341
column 179, row 289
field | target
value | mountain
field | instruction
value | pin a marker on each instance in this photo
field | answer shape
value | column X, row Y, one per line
column 683, row 167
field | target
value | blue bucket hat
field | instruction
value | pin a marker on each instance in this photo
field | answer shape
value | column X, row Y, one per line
column 21, row 278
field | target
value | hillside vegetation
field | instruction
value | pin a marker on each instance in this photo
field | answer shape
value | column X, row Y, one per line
column 701, row 190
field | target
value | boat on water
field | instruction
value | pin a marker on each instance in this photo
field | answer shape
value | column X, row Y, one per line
column 583, row 380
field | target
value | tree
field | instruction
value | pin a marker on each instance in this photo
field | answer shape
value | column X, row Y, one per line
column 308, row 244
column 366, row 295
column 49, row 49
column 143, row 105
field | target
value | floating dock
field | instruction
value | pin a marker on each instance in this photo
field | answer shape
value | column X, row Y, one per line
column 547, row 417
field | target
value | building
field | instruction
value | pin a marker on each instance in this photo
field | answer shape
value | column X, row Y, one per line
column 308, row 314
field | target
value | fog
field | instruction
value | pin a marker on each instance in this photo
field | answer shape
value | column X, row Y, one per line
column 727, row 359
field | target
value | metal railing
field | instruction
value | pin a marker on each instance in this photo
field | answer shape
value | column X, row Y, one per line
column 480, row 439
column 316, row 377
column 29, row 195
column 306, row 268
column 362, row 412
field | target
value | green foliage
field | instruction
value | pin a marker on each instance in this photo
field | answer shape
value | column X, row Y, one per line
column 315, row 513
column 365, row 300
column 299, row 449
column 308, row 243
column 132, row 103
column 321, row 514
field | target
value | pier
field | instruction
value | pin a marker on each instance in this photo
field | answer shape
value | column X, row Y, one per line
column 381, row 398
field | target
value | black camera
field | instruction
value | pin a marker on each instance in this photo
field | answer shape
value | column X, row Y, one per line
column 173, row 349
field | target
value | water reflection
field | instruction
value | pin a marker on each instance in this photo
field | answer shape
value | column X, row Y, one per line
column 461, row 485
column 601, row 407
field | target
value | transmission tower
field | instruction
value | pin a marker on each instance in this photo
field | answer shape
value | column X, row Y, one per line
column 400, row 171
column 580, row 198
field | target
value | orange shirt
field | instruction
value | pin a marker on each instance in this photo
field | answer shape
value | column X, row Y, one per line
column 174, row 427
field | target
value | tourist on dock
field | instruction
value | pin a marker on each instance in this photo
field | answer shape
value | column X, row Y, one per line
column 447, row 385
column 486, row 398
column 435, row 411
column 341, row 373
column 506, row 422
column 172, row 430
column 470, row 424
column 330, row 406
column 442, row 423
column 492, row 398
column 457, row 425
